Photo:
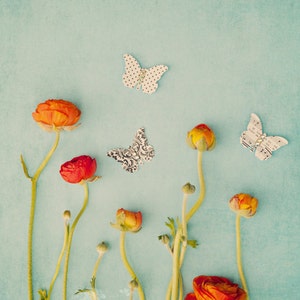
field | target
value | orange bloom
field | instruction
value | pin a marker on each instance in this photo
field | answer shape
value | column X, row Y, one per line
column 244, row 205
column 201, row 137
column 57, row 114
column 128, row 220
column 81, row 168
column 214, row 288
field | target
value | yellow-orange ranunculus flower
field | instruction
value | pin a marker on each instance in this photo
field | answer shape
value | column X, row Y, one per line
column 215, row 287
column 57, row 114
column 128, row 220
column 244, row 205
column 201, row 137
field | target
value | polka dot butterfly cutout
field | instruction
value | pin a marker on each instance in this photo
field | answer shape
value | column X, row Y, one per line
column 141, row 78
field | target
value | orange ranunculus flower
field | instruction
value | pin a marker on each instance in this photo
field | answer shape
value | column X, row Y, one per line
column 57, row 114
column 244, row 205
column 79, row 169
column 128, row 220
column 201, row 137
column 215, row 288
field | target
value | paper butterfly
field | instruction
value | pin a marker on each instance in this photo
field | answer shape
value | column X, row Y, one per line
column 136, row 76
column 135, row 155
column 255, row 140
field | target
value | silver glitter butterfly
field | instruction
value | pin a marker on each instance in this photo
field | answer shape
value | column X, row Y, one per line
column 256, row 141
column 136, row 154
column 138, row 77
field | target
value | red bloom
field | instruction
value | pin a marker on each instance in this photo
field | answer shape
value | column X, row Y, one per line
column 81, row 168
column 215, row 288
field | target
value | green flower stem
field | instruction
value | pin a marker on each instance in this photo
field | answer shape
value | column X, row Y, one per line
column 68, row 250
column 93, row 280
column 175, row 269
column 66, row 236
column 34, row 181
column 184, row 230
column 128, row 267
column 202, row 188
column 239, row 254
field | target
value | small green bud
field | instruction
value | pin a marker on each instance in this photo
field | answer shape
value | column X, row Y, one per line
column 102, row 248
column 67, row 216
column 164, row 239
column 133, row 284
column 188, row 188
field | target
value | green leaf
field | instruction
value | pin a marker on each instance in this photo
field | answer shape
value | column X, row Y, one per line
column 171, row 225
column 25, row 170
column 83, row 291
column 192, row 243
column 43, row 294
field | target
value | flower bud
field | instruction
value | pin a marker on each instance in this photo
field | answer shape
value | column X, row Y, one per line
column 243, row 204
column 201, row 137
column 102, row 248
column 128, row 220
column 188, row 188
column 133, row 284
column 67, row 216
column 165, row 239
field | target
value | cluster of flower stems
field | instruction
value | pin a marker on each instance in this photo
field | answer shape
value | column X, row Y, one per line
column 177, row 251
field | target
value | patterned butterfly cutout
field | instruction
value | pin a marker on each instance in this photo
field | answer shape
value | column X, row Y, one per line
column 255, row 140
column 146, row 78
column 136, row 154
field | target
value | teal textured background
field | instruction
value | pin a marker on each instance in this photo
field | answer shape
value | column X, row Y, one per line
column 226, row 60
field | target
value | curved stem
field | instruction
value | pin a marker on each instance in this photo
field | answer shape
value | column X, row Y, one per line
column 66, row 266
column 34, row 181
column 202, row 188
column 128, row 266
column 59, row 260
column 239, row 255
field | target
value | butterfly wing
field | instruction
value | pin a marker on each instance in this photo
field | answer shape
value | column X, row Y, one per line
column 132, row 71
column 268, row 145
column 143, row 151
column 253, row 132
column 126, row 157
column 149, row 84
column 136, row 154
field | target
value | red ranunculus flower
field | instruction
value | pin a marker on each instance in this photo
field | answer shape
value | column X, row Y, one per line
column 215, row 288
column 81, row 168
column 57, row 114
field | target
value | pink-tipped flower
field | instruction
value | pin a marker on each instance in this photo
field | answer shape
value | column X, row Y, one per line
column 79, row 169
column 243, row 204
column 201, row 137
column 57, row 114
column 128, row 220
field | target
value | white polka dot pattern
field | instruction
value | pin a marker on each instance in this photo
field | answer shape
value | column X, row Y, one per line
column 135, row 76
